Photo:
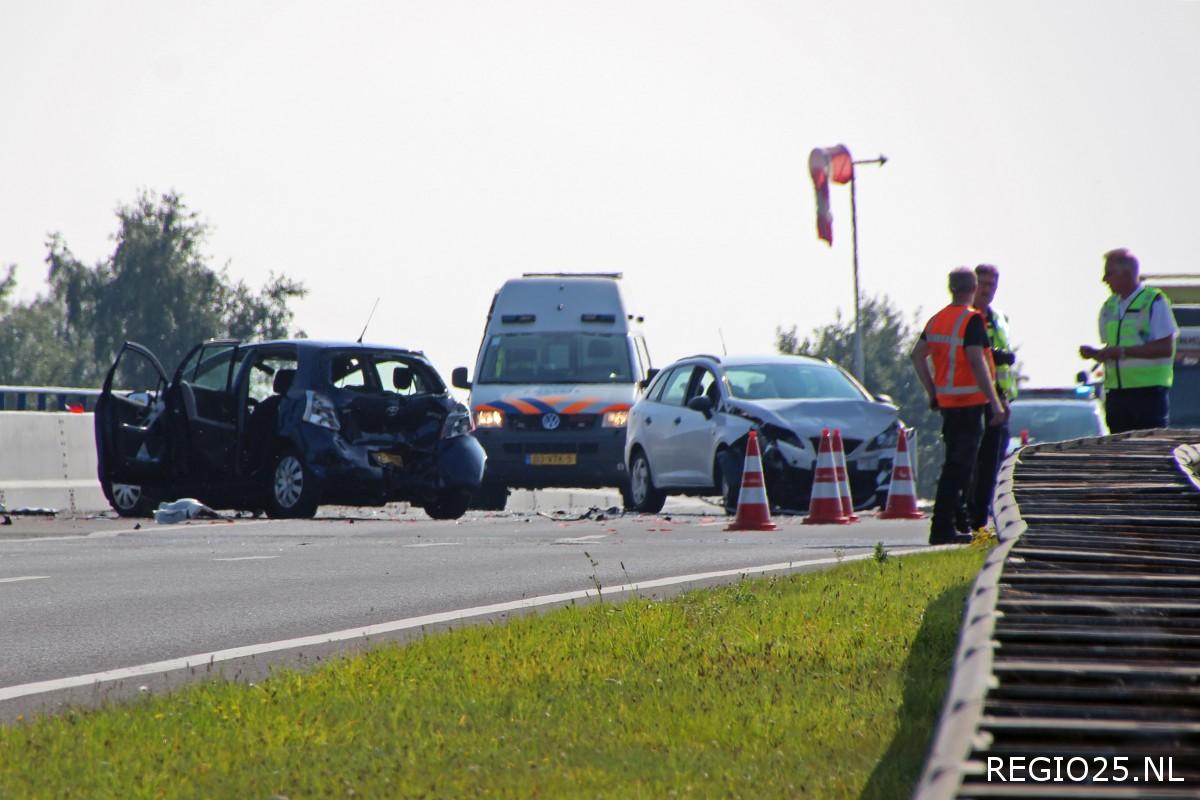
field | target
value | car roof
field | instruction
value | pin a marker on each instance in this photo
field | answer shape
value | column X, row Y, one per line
column 327, row 344
column 771, row 358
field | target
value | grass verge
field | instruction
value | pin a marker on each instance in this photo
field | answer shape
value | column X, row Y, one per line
column 820, row 685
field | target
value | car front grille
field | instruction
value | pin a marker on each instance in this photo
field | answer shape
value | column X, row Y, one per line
column 567, row 422
column 848, row 445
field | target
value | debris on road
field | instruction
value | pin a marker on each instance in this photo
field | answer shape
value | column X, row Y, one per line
column 182, row 510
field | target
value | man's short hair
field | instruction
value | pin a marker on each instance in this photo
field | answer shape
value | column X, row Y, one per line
column 1122, row 258
column 987, row 269
column 962, row 279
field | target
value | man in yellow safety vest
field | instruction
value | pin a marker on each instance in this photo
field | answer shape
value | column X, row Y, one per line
column 1138, row 329
column 995, row 437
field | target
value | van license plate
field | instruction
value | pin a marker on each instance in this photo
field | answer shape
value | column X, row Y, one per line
column 550, row 459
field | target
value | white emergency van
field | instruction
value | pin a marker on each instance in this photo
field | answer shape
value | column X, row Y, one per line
column 561, row 362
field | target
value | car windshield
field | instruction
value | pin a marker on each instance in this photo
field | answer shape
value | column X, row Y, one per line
column 791, row 382
column 1054, row 422
column 556, row 358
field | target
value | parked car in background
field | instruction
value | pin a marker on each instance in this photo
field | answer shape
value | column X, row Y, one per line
column 284, row 426
column 1055, row 415
column 688, row 432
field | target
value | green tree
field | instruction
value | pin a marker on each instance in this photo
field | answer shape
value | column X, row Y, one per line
column 155, row 288
column 887, row 339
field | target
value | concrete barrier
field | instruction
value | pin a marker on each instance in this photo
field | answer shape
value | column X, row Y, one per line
column 48, row 459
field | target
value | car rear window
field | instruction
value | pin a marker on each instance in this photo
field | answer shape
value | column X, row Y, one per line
column 382, row 371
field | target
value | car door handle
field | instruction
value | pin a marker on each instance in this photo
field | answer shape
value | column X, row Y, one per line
column 678, row 420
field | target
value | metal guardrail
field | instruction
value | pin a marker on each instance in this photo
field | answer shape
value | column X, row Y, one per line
column 47, row 398
column 1082, row 634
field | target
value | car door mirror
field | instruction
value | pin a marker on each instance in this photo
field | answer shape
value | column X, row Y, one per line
column 702, row 404
column 458, row 377
column 645, row 382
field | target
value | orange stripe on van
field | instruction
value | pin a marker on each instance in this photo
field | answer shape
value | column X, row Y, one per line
column 525, row 408
column 578, row 406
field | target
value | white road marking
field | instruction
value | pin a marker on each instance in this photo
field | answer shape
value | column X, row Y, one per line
column 579, row 539
column 245, row 558
column 24, row 578
column 202, row 659
column 433, row 544
column 149, row 526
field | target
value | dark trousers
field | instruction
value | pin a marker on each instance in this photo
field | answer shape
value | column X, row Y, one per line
column 1136, row 409
column 962, row 431
column 987, row 467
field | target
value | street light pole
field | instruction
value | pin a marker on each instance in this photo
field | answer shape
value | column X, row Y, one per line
column 860, row 367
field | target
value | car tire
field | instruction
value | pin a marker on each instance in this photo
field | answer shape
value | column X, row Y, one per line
column 645, row 497
column 129, row 500
column 489, row 497
column 626, row 496
column 727, row 477
column 292, row 490
column 449, row 505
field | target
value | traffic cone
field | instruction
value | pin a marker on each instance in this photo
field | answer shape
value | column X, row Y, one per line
column 902, row 496
column 753, row 513
column 839, row 461
column 825, row 507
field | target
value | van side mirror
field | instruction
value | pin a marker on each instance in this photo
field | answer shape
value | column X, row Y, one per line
column 650, row 373
column 702, row 404
column 1081, row 377
column 458, row 377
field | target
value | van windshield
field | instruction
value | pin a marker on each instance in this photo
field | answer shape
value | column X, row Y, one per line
column 556, row 358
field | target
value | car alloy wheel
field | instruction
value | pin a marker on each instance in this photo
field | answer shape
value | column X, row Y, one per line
column 640, row 481
column 289, row 481
column 126, row 496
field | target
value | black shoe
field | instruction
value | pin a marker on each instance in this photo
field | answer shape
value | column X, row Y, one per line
column 962, row 524
column 949, row 538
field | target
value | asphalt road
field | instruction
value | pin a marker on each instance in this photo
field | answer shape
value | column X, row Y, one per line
column 86, row 596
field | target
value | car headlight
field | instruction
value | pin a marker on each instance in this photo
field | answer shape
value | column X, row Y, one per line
column 458, row 423
column 768, row 432
column 320, row 411
column 616, row 419
column 489, row 418
column 886, row 440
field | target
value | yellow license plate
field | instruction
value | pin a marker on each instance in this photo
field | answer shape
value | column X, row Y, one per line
column 388, row 458
column 550, row 459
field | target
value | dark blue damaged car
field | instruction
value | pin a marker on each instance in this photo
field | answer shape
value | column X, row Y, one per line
column 284, row 427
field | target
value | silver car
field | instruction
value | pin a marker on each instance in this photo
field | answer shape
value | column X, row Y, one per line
column 688, row 432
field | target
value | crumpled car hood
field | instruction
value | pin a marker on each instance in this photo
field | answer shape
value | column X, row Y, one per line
column 857, row 419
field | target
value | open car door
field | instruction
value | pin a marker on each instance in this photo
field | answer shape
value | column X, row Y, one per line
column 132, row 446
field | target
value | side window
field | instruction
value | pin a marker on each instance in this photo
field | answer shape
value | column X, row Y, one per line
column 675, row 391
column 706, row 385
column 213, row 368
column 347, row 372
column 265, row 378
column 642, row 353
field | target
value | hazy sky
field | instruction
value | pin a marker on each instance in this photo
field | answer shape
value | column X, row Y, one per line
column 426, row 151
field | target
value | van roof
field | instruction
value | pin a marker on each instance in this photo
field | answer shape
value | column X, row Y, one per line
column 567, row 302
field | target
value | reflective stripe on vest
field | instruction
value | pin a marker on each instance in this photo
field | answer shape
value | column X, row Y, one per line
column 1006, row 376
column 1129, row 330
column 953, row 380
